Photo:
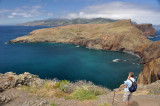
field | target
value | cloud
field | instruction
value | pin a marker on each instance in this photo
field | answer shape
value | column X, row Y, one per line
column 50, row 14
column 120, row 10
column 24, row 12
column 10, row 16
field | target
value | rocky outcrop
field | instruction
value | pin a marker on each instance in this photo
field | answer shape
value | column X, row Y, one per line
column 147, row 29
column 151, row 52
column 118, row 36
column 151, row 60
column 150, row 72
column 10, row 80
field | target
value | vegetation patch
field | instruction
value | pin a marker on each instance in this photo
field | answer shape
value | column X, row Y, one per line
column 80, row 90
column 51, row 103
column 83, row 94
column 155, row 91
column 104, row 104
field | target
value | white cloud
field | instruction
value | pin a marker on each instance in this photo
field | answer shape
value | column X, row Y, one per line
column 10, row 16
column 24, row 12
column 121, row 10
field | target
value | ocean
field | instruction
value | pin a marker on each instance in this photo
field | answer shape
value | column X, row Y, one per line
column 64, row 61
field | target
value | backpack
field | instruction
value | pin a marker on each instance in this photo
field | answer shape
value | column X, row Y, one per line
column 133, row 87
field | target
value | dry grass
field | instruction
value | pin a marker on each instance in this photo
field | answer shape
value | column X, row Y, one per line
column 64, row 89
column 155, row 91
column 46, row 90
column 104, row 104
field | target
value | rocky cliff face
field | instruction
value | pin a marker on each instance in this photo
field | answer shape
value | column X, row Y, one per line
column 150, row 72
column 147, row 29
column 118, row 36
column 151, row 60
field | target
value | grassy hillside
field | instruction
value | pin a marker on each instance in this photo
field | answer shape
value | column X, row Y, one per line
column 60, row 22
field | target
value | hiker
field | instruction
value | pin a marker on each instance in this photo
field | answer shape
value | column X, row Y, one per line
column 130, row 87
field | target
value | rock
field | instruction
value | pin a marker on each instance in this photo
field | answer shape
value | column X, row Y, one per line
column 150, row 72
column 7, row 84
column 147, row 29
column 10, row 73
column 41, row 102
column 151, row 61
column 10, row 80
column 4, row 99
column 151, row 52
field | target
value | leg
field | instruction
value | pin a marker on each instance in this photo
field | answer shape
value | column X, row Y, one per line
column 129, row 99
column 126, row 98
column 129, row 103
column 126, row 103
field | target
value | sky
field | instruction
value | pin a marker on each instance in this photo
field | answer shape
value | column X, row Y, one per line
column 20, row 11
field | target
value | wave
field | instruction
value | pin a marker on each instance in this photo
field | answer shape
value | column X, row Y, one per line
column 116, row 60
column 77, row 46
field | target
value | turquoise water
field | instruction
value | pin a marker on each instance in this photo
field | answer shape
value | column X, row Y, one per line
column 63, row 61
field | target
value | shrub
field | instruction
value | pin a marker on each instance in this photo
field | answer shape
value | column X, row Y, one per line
column 52, row 103
column 96, row 90
column 83, row 94
column 48, row 85
column 63, row 85
column 60, row 94
column 105, row 104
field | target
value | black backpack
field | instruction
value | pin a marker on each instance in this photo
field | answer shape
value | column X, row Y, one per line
column 133, row 87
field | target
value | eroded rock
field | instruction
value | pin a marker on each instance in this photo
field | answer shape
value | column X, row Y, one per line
column 147, row 29
column 10, row 80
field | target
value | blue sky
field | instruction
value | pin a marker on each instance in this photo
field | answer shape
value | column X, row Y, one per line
column 19, row 11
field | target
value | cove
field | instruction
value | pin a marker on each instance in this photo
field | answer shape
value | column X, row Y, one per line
column 64, row 61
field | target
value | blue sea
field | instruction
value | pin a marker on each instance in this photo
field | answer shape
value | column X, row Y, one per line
column 158, row 34
column 63, row 61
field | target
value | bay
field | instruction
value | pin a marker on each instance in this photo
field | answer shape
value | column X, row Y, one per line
column 63, row 61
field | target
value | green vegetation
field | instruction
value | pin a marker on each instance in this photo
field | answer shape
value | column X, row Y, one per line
column 83, row 94
column 105, row 104
column 60, row 22
column 51, row 103
column 65, row 89
column 63, row 85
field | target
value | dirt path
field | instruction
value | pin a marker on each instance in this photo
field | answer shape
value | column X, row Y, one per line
column 21, row 98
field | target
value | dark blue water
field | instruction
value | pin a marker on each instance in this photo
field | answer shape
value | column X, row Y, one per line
column 63, row 61
column 158, row 34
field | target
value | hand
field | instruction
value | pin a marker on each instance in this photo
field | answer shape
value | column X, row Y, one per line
column 128, row 77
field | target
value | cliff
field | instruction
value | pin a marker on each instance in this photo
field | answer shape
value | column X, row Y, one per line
column 117, row 36
column 148, row 30
column 151, row 60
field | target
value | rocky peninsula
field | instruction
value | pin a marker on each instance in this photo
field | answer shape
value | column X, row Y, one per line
column 117, row 36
